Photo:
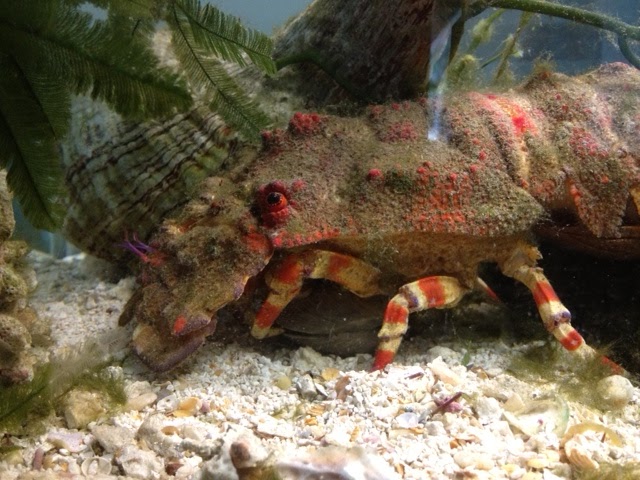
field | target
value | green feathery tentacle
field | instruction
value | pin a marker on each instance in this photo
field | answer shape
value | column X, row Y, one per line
column 52, row 49
column 49, row 50
column 204, row 35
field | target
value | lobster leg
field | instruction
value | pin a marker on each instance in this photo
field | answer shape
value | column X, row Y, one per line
column 428, row 292
column 521, row 265
column 285, row 280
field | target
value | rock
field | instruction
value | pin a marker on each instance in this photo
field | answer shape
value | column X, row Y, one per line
column 488, row 409
column 241, row 449
column 141, row 401
column 335, row 462
column 466, row 459
column 151, row 432
column 137, row 463
column 306, row 387
column 442, row 371
column 82, row 407
column 283, row 382
column 112, row 438
column 95, row 466
column 20, row 326
column 616, row 391
column 71, row 441
column 306, row 359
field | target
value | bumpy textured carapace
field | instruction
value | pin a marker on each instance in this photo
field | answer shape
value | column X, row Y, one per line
column 369, row 202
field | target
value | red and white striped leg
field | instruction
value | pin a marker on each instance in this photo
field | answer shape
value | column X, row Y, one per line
column 285, row 280
column 429, row 292
column 555, row 316
column 488, row 291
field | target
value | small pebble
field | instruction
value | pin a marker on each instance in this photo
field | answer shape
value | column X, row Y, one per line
column 616, row 391
column 514, row 403
column 141, row 401
column 275, row 428
column 488, row 409
column 188, row 407
column 307, row 359
column 151, row 432
column 168, row 403
column 71, row 442
column 446, row 354
column 283, row 382
column 532, row 476
column 137, row 388
column 538, row 463
column 329, row 373
column 442, row 371
column 112, row 438
column 480, row 461
column 494, row 372
column 15, row 457
column 82, row 407
column 137, row 463
column 408, row 420
column 91, row 467
column 306, row 387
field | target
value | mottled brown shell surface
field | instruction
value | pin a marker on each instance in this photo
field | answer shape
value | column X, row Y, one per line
column 376, row 175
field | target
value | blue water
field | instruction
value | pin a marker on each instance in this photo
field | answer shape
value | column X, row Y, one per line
column 264, row 15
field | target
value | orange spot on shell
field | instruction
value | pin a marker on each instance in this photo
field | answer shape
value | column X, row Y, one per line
column 179, row 324
column 401, row 131
column 257, row 242
column 520, row 122
column 305, row 123
column 374, row 174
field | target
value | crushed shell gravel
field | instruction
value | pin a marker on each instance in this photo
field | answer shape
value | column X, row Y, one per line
column 426, row 416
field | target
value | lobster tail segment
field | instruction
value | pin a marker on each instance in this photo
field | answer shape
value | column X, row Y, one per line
column 572, row 142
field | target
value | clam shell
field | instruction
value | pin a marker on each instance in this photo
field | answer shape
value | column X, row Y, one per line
column 95, row 466
column 548, row 414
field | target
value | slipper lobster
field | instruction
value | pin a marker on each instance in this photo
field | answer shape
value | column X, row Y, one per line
column 371, row 203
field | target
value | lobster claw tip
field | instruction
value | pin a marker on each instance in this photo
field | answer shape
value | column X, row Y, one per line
column 161, row 352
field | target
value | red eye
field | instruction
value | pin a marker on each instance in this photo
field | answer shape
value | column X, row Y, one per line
column 276, row 201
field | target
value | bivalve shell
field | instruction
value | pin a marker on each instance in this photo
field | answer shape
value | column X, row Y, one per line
column 95, row 466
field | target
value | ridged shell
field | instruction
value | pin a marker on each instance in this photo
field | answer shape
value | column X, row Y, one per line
column 124, row 178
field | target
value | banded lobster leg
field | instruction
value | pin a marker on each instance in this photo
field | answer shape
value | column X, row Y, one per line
column 445, row 292
column 285, row 281
column 429, row 292
column 521, row 265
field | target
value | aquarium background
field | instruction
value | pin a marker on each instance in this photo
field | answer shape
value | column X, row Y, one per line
column 572, row 48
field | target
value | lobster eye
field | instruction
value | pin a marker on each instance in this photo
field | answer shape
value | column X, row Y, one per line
column 276, row 201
